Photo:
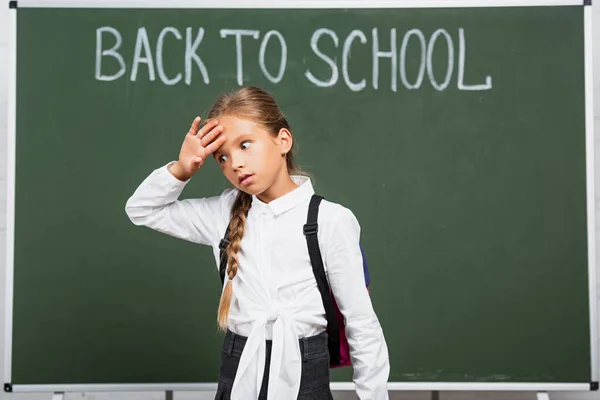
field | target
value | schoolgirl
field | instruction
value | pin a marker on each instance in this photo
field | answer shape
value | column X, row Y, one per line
column 275, row 344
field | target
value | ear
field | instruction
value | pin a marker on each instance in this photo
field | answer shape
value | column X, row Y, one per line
column 284, row 141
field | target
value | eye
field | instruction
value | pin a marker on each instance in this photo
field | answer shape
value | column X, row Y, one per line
column 222, row 159
column 245, row 144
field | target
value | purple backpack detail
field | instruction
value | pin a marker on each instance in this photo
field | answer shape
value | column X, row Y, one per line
column 339, row 349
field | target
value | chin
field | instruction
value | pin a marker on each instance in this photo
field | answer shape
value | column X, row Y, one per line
column 253, row 192
column 254, row 189
column 249, row 190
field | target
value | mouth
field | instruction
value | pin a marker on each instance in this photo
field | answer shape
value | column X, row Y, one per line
column 245, row 179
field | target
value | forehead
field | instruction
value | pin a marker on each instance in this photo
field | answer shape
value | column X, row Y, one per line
column 234, row 127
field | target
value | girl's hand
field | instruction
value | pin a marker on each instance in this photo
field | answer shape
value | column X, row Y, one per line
column 196, row 147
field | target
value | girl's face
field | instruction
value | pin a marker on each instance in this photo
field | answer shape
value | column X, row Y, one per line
column 251, row 158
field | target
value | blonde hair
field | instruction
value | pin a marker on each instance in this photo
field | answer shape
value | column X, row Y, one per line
column 257, row 105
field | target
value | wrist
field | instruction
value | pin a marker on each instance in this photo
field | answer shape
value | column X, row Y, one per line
column 178, row 172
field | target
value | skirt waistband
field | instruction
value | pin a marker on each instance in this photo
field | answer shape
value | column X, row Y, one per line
column 310, row 347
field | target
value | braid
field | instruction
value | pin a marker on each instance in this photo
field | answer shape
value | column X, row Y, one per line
column 257, row 105
column 236, row 232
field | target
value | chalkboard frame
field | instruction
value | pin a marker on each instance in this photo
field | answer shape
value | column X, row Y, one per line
column 428, row 386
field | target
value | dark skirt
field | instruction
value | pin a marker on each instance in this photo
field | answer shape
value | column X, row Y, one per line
column 314, row 383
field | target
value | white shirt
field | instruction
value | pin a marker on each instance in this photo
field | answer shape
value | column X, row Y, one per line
column 275, row 294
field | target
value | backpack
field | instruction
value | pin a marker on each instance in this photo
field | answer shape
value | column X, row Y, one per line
column 339, row 349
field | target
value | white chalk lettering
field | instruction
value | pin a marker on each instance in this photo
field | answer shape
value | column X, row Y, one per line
column 405, row 40
column 412, row 60
column 392, row 55
column 100, row 52
column 355, row 87
column 238, row 47
column 190, row 54
column 332, row 64
column 450, row 66
column 159, row 57
column 142, row 43
column 282, row 62
column 461, row 67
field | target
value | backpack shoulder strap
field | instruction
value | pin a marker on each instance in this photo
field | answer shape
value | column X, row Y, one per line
column 222, row 255
column 310, row 231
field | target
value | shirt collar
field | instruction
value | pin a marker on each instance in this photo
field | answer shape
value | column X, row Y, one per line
column 289, row 200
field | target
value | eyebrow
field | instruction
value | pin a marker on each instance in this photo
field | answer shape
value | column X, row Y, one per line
column 244, row 136
column 240, row 138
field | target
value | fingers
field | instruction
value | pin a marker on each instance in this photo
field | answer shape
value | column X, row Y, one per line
column 211, row 148
column 194, row 128
column 207, row 128
column 209, row 137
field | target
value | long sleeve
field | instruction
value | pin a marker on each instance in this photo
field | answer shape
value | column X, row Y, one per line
column 155, row 204
column 368, row 348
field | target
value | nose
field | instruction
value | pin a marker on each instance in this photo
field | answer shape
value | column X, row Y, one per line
column 237, row 161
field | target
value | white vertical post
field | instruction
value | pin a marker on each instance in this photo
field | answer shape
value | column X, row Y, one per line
column 591, row 201
column 10, row 191
column 543, row 396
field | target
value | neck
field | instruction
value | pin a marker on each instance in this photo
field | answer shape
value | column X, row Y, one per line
column 280, row 187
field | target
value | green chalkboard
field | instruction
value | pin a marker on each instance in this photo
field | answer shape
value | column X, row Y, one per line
column 456, row 135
